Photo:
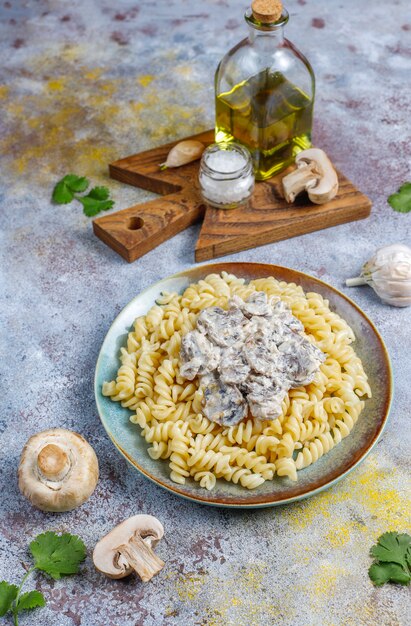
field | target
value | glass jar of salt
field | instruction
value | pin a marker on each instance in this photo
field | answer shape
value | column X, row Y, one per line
column 226, row 175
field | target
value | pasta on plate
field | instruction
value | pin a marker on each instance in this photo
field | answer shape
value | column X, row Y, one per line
column 168, row 408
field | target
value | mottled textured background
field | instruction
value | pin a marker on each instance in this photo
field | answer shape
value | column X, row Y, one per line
column 86, row 82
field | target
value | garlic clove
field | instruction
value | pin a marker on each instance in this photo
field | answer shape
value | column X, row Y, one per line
column 388, row 272
column 183, row 153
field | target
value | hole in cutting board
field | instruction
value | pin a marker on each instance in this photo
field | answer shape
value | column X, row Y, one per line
column 135, row 223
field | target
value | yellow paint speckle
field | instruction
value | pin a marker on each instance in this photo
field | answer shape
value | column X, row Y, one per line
column 109, row 87
column 189, row 586
column 4, row 91
column 94, row 74
column 327, row 580
column 145, row 80
column 253, row 577
column 71, row 52
column 56, row 84
column 338, row 536
column 185, row 70
column 374, row 491
column 34, row 122
column 136, row 106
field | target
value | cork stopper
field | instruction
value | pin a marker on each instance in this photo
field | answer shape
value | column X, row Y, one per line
column 267, row 11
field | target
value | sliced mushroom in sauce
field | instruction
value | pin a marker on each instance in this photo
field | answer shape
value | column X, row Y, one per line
column 256, row 304
column 264, row 396
column 300, row 360
column 224, row 404
column 233, row 367
column 198, row 354
column 224, row 328
column 248, row 357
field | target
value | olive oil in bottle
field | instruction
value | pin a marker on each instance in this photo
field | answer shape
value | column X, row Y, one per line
column 265, row 94
column 270, row 116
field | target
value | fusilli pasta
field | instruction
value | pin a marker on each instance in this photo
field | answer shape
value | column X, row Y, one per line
column 168, row 408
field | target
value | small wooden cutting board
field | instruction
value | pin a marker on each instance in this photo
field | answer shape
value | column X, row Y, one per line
column 134, row 231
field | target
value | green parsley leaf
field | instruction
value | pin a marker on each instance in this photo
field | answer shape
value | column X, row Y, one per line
column 95, row 201
column 401, row 201
column 408, row 557
column 8, row 594
column 393, row 559
column 58, row 555
column 30, row 600
column 61, row 193
column 392, row 548
column 65, row 189
column 99, row 193
column 381, row 573
column 76, row 183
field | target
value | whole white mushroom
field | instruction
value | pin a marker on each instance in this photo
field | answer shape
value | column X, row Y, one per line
column 58, row 470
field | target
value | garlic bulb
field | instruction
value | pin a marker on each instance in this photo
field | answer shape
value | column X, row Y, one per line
column 388, row 272
column 184, row 152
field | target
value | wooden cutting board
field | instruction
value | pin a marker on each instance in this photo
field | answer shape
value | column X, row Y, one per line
column 134, row 231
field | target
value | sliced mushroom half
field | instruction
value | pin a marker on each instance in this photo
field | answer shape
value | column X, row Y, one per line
column 58, row 470
column 128, row 548
column 315, row 174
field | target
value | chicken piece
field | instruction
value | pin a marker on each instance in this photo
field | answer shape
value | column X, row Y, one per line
column 300, row 360
column 198, row 355
column 264, row 397
column 223, row 328
column 222, row 403
column 233, row 367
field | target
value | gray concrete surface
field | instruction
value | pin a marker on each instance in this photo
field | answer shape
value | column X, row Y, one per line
column 84, row 83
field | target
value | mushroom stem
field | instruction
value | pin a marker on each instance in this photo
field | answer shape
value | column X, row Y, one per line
column 355, row 282
column 139, row 555
column 53, row 463
column 304, row 177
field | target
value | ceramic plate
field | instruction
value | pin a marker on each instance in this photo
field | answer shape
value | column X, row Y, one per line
column 327, row 471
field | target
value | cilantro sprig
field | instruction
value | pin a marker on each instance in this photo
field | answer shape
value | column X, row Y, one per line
column 55, row 555
column 68, row 188
column 401, row 201
column 392, row 554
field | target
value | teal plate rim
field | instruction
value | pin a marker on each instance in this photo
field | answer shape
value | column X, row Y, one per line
column 251, row 498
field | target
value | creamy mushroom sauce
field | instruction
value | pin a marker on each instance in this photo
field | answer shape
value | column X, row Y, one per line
column 248, row 357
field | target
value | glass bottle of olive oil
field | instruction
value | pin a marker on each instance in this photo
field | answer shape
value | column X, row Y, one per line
column 265, row 92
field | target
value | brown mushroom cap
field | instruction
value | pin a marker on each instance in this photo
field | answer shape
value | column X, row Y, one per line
column 128, row 547
column 58, row 470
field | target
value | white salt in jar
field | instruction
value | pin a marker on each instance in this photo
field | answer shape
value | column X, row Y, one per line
column 226, row 175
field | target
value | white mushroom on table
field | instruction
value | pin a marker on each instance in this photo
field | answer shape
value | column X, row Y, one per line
column 128, row 548
column 58, row 470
